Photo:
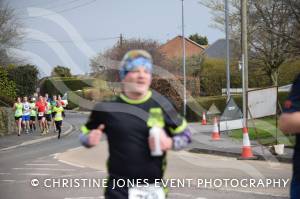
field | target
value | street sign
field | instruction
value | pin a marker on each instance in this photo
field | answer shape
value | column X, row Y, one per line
column 232, row 117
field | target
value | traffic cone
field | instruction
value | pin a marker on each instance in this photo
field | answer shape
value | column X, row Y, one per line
column 215, row 136
column 204, row 118
column 246, row 150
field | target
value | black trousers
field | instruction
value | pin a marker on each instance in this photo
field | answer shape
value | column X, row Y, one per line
column 58, row 127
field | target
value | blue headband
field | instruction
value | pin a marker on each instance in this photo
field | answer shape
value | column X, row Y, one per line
column 131, row 64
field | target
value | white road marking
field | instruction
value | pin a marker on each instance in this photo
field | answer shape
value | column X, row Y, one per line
column 35, row 174
column 41, row 161
column 181, row 195
column 37, row 140
column 47, row 169
column 8, row 148
column 75, row 149
column 41, row 164
column 7, row 180
column 100, row 171
column 246, row 191
column 54, row 155
column 5, row 173
column 99, row 197
column 72, row 164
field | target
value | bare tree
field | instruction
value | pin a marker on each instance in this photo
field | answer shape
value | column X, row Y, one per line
column 266, row 17
column 217, row 11
column 110, row 59
column 293, row 7
column 269, row 17
column 10, row 33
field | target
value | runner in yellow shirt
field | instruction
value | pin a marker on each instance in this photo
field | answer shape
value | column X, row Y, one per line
column 58, row 117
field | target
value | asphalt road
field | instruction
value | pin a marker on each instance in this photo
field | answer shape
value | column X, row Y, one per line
column 35, row 171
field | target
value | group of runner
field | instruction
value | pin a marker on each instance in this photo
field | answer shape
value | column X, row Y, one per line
column 48, row 112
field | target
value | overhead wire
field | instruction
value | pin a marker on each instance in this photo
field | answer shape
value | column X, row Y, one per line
column 48, row 5
column 61, row 11
column 33, row 41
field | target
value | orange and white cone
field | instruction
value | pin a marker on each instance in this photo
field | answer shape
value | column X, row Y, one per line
column 204, row 122
column 246, row 150
column 215, row 136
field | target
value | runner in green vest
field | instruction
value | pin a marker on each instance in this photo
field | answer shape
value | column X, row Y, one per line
column 33, row 115
column 18, row 108
column 58, row 118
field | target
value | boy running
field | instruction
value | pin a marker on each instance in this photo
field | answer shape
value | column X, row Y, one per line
column 26, row 114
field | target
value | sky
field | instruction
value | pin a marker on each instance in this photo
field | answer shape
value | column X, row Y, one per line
column 70, row 32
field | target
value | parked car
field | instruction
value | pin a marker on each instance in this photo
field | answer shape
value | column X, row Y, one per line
column 65, row 100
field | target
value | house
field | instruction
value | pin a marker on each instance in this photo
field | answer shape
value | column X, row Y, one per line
column 217, row 50
column 173, row 48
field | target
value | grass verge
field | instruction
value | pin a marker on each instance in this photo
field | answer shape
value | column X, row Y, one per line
column 263, row 131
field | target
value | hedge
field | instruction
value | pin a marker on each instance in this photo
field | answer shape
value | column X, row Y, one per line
column 7, row 88
column 98, row 91
column 73, row 99
column 6, row 101
column 213, row 75
column 25, row 78
column 54, row 86
column 288, row 72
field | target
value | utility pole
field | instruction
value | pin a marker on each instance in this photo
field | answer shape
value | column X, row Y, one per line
column 227, row 50
column 121, row 40
column 183, row 60
column 244, row 59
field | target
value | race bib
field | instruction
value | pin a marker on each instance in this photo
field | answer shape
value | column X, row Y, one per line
column 150, row 192
column 26, row 107
column 41, row 114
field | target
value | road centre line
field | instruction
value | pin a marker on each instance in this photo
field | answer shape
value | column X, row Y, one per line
column 41, row 164
column 47, row 169
column 35, row 174
column 5, row 173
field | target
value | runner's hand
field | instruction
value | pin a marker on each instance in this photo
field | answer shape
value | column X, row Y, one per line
column 95, row 135
column 165, row 141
